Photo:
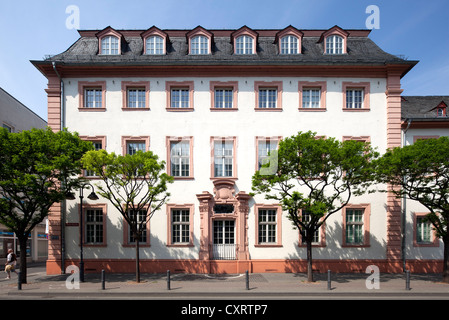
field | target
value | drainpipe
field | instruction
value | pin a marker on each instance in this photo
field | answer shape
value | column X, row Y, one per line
column 63, row 203
column 404, row 206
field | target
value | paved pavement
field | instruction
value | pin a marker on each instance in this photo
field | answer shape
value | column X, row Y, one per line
column 281, row 286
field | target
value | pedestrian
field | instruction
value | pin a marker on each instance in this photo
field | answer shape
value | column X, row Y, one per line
column 10, row 264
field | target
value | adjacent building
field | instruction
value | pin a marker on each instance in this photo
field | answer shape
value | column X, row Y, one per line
column 212, row 104
column 16, row 117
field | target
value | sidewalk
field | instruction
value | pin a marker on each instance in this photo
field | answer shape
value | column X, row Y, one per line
column 201, row 286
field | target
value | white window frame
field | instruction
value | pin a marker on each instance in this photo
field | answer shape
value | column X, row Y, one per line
column 95, row 103
column 264, row 98
column 334, row 44
column 136, row 145
column 224, row 159
column 154, row 45
column 199, row 45
column 308, row 95
column 180, row 232
column 110, row 45
column 244, row 44
column 224, row 98
column 352, row 99
column 97, row 226
column 355, row 229
column 140, row 98
column 289, row 44
column 179, row 159
column 267, row 219
column 180, row 98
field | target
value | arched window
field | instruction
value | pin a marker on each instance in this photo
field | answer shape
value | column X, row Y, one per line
column 244, row 45
column 154, row 45
column 289, row 45
column 334, row 44
column 109, row 45
column 200, row 45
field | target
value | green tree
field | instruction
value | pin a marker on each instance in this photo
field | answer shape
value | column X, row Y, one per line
column 312, row 178
column 421, row 172
column 135, row 184
column 37, row 169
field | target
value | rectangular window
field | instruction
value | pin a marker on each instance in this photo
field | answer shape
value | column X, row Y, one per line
column 354, row 226
column 141, row 217
column 311, row 98
column 223, row 158
column 93, row 98
column 423, row 230
column 98, row 145
column 306, row 218
column 180, row 226
column 267, row 98
column 267, row 226
column 223, row 98
column 133, row 146
column 354, row 98
column 136, row 98
column 264, row 147
column 180, row 98
column 94, row 226
column 180, row 158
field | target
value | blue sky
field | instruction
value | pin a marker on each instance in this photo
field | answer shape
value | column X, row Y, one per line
column 416, row 29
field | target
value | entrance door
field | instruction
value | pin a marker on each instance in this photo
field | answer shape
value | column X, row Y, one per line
column 224, row 247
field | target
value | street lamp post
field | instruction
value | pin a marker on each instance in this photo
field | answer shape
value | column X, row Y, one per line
column 91, row 196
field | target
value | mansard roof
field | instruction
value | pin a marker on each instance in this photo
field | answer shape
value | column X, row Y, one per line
column 423, row 108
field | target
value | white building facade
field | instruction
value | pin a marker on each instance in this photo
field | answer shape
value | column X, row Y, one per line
column 212, row 103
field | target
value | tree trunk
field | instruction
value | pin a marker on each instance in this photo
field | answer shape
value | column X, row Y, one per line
column 446, row 259
column 23, row 258
column 309, row 261
column 137, row 236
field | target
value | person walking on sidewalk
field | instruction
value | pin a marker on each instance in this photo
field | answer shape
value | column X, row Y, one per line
column 10, row 264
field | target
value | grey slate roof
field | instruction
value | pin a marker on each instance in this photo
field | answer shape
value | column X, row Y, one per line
column 361, row 51
column 422, row 107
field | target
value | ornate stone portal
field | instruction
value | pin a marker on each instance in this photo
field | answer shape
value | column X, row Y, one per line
column 224, row 206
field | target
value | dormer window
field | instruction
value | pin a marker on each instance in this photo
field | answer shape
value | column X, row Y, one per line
column 244, row 40
column 154, row 41
column 200, row 45
column 334, row 45
column 289, row 40
column 441, row 109
column 335, row 40
column 289, row 45
column 200, row 41
column 244, row 45
column 109, row 42
column 109, row 45
column 154, row 45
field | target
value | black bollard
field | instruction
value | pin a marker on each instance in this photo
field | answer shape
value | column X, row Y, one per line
column 407, row 280
column 329, row 280
column 247, row 279
column 19, row 281
column 103, row 280
column 168, row 279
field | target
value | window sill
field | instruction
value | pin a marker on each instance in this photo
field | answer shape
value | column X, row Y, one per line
column 268, row 109
column 313, row 109
column 224, row 109
column 183, row 178
column 135, row 109
column 356, row 109
column 268, row 245
column 92, row 109
column 179, row 109
column 174, row 245
column 221, row 178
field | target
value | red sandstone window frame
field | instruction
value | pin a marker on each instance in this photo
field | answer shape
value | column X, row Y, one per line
column 278, row 209
column 168, row 141
column 268, row 85
column 244, row 31
column 435, row 240
column 366, row 207
column 126, row 139
column 141, row 85
column 172, row 85
column 321, row 236
column 93, row 206
column 213, row 139
column 289, row 31
column 86, row 85
column 335, row 31
column 233, row 85
column 154, row 32
column 109, row 32
column 365, row 86
column 199, row 31
column 169, row 211
column 307, row 85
